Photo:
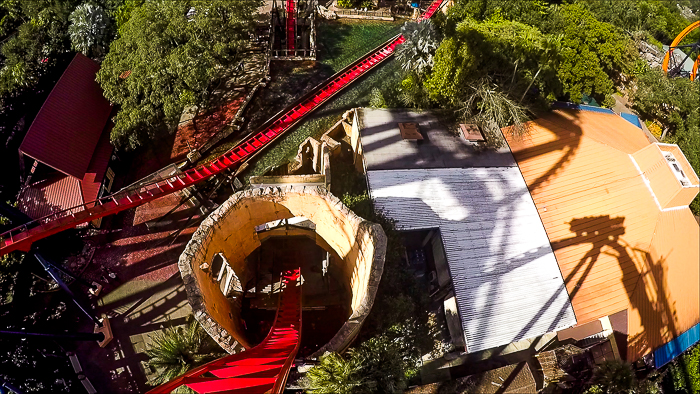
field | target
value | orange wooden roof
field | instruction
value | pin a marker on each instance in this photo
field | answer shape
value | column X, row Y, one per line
column 617, row 249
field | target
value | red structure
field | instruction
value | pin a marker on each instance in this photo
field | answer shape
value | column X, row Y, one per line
column 291, row 25
column 22, row 237
column 261, row 369
column 70, row 135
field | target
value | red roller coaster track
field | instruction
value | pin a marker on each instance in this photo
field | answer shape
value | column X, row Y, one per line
column 261, row 369
column 22, row 237
column 291, row 25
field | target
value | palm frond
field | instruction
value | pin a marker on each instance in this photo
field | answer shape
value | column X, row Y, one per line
column 176, row 350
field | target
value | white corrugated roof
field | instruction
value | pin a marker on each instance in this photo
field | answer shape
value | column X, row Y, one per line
column 506, row 279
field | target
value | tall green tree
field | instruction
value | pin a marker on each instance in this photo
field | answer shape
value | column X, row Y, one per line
column 416, row 53
column 89, row 30
column 673, row 102
column 509, row 52
column 37, row 38
column 593, row 54
column 165, row 60
column 530, row 12
column 661, row 19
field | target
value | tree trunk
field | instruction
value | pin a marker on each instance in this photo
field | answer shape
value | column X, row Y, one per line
column 530, row 85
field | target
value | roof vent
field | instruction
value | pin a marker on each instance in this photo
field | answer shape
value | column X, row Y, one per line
column 471, row 132
column 670, row 177
column 409, row 131
column 677, row 171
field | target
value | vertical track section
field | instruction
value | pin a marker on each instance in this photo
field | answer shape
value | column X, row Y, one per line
column 291, row 26
column 22, row 237
column 262, row 369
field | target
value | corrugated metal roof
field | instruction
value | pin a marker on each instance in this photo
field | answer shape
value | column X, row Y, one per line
column 385, row 149
column 66, row 130
column 506, row 280
column 54, row 194
column 616, row 249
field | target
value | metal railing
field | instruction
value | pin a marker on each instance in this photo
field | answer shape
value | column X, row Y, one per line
column 368, row 13
column 303, row 53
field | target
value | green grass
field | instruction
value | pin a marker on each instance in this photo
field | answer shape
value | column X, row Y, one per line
column 344, row 41
column 340, row 43
column 357, row 95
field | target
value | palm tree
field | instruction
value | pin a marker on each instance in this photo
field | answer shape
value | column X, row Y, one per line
column 416, row 53
column 334, row 374
column 614, row 377
column 89, row 30
column 177, row 350
column 492, row 109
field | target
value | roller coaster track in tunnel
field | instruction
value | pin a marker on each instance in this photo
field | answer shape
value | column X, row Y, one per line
column 261, row 369
column 291, row 24
column 21, row 237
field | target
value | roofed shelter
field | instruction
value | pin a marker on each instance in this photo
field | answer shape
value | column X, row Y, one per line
column 615, row 208
column 70, row 135
column 489, row 246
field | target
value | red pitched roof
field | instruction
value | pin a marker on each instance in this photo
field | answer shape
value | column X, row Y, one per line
column 65, row 132
column 95, row 173
column 51, row 195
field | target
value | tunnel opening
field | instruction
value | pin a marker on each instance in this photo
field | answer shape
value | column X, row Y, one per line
column 231, row 267
column 326, row 292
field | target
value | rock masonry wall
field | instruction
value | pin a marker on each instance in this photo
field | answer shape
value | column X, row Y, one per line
column 230, row 231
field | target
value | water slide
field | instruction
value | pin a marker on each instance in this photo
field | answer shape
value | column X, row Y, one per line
column 262, row 369
column 21, row 237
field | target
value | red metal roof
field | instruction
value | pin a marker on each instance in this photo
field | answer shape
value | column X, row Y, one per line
column 65, row 132
column 98, row 165
column 54, row 194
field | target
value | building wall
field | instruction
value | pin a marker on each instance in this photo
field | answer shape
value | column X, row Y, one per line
column 230, row 230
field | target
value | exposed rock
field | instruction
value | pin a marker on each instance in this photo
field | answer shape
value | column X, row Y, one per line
column 326, row 13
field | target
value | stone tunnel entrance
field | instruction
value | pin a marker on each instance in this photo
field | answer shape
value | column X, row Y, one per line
column 287, row 244
column 231, row 267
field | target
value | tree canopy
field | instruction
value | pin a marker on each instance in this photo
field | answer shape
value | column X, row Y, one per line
column 165, row 60
column 89, row 30
column 31, row 47
column 499, row 48
column 673, row 102
column 592, row 54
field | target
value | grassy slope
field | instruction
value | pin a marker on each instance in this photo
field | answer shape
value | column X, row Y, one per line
column 340, row 43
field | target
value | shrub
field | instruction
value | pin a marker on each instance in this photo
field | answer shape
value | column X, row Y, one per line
column 369, row 4
column 613, row 377
column 346, row 3
column 376, row 99
column 685, row 371
column 609, row 101
column 654, row 128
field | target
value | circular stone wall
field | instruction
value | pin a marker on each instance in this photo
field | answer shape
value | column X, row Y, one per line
column 230, row 232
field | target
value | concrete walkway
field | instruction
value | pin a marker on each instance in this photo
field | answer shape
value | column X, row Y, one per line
column 148, row 295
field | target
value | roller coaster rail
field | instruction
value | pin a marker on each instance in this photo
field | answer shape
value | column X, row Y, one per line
column 22, row 237
column 262, row 369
